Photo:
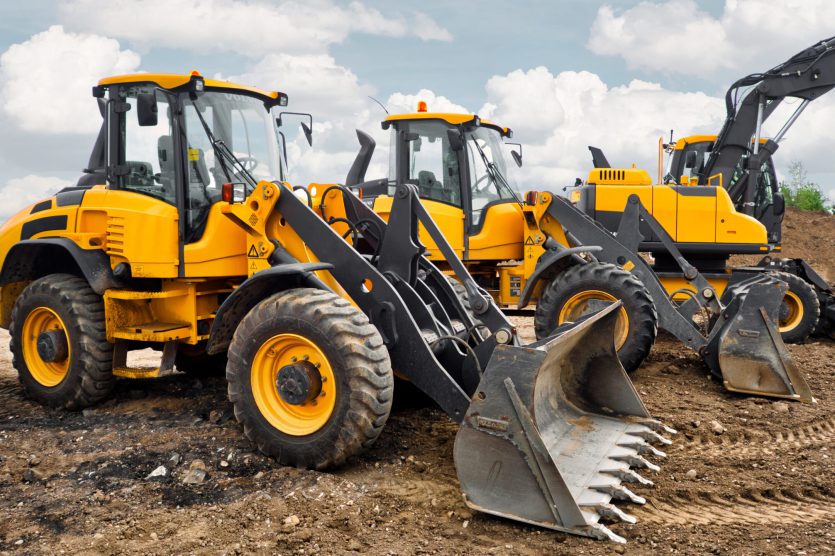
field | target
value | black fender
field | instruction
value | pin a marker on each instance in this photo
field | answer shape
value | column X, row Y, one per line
column 552, row 262
column 254, row 289
column 30, row 259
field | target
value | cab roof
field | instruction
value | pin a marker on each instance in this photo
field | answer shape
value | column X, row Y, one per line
column 175, row 80
column 684, row 141
column 450, row 118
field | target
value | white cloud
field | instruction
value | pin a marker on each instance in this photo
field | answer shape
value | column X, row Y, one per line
column 581, row 110
column 249, row 27
column 677, row 36
column 21, row 192
column 45, row 81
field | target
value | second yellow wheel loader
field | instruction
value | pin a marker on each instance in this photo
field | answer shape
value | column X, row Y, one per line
column 176, row 238
column 544, row 250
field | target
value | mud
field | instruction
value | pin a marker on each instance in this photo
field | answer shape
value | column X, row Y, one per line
column 744, row 475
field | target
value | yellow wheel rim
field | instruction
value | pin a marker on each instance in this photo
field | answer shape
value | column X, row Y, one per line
column 48, row 374
column 589, row 301
column 794, row 314
column 295, row 419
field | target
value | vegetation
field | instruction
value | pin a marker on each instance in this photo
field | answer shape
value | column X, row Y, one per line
column 801, row 193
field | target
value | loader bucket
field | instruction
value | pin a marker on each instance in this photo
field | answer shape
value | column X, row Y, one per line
column 745, row 349
column 555, row 429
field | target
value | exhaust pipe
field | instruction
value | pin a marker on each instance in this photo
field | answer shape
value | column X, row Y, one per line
column 554, row 431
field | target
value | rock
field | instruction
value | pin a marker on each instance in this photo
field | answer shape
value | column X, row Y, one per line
column 291, row 520
column 160, row 471
column 781, row 407
column 354, row 545
column 259, row 475
column 716, row 427
column 154, row 537
column 33, row 476
column 696, row 423
column 174, row 460
column 33, row 461
column 420, row 466
column 620, row 549
column 691, row 474
column 215, row 416
column 195, row 474
column 224, row 463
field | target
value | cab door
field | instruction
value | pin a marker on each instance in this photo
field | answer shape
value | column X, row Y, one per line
column 427, row 160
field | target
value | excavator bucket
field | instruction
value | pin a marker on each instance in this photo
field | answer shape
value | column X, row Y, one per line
column 554, row 430
column 745, row 349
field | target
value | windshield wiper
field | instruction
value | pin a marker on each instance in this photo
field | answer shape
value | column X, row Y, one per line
column 225, row 155
column 496, row 174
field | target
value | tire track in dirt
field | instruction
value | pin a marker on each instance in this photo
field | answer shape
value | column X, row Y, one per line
column 818, row 433
column 779, row 506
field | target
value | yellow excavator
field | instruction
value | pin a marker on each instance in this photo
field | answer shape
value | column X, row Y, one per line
column 719, row 195
column 541, row 248
column 184, row 236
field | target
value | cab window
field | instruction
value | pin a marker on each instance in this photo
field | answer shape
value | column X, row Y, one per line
column 486, row 162
column 433, row 165
column 148, row 156
column 243, row 125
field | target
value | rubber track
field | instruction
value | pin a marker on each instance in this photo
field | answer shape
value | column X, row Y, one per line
column 817, row 434
column 778, row 507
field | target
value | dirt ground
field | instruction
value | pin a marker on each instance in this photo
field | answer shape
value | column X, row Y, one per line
column 761, row 480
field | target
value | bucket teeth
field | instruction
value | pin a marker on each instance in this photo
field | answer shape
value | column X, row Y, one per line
column 638, row 461
column 658, row 426
column 603, row 533
column 629, row 476
column 612, row 513
column 652, row 437
column 619, row 492
column 643, row 448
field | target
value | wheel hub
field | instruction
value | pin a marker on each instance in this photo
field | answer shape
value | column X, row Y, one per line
column 52, row 346
column 298, row 383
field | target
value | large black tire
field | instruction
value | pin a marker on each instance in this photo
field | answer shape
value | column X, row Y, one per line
column 800, row 310
column 567, row 287
column 356, row 355
column 88, row 378
column 195, row 362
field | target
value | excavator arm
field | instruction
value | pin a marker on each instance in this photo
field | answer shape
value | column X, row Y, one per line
column 806, row 76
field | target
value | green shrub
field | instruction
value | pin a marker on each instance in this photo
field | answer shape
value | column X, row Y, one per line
column 809, row 197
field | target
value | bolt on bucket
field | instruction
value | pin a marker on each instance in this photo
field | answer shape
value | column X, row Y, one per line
column 745, row 348
column 554, row 431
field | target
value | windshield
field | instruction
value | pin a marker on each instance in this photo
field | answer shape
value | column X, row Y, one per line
column 245, row 149
column 489, row 172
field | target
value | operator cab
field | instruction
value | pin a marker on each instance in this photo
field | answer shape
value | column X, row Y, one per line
column 687, row 162
column 458, row 160
column 170, row 137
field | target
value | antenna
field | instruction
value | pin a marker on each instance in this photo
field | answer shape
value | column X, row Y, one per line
column 671, row 136
column 381, row 104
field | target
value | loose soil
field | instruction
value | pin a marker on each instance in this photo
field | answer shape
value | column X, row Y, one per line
column 79, row 482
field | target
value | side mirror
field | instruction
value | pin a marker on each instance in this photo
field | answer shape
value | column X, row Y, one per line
column 456, row 142
column 146, row 109
column 306, row 127
column 779, row 204
column 578, row 182
column 690, row 160
column 517, row 158
column 308, row 133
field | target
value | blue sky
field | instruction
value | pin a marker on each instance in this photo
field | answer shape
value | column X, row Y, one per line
column 564, row 74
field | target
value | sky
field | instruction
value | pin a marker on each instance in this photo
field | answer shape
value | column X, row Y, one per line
column 563, row 74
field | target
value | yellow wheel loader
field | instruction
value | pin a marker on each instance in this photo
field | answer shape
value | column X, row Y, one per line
column 720, row 196
column 176, row 238
column 545, row 251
